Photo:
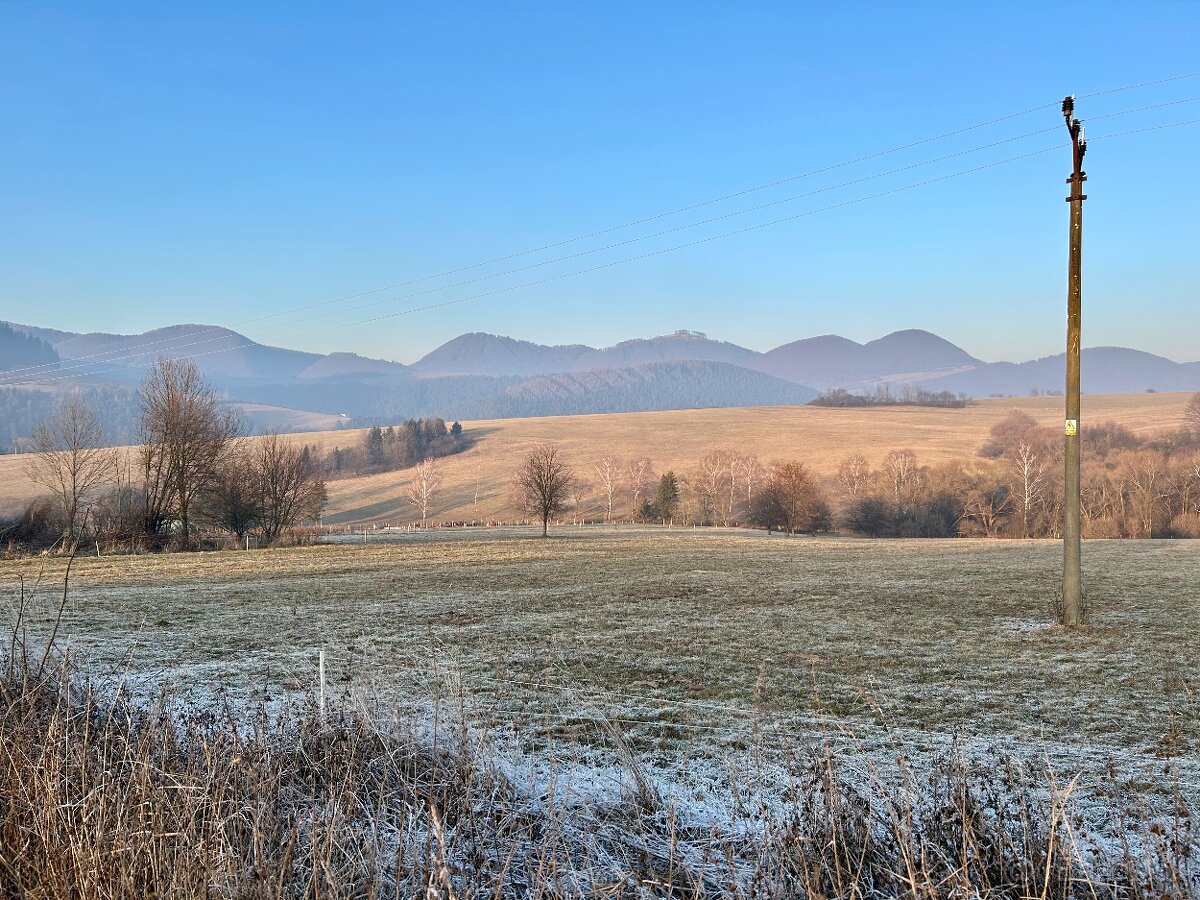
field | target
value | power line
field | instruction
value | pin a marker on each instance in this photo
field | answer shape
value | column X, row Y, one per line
column 665, row 250
column 612, row 263
column 143, row 347
column 740, row 212
column 1140, row 84
column 78, row 363
column 745, row 210
column 608, row 230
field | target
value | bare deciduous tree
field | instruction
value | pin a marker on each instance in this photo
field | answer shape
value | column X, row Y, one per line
column 426, row 480
column 1191, row 414
column 854, row 475
column 232, row 501
column 1144, row 477
column 735, row 464
column 608, row 477
column 639, row 475
column 986, row 502
column 290, row 485
column 791, row 499
column 712, row 477
column 477, row 472
column 904, row 478
column 184, row 433
column 1028, row 468
column 67, row 460
column 752, row 473
column 1187, row 485
column 543, row 483
column 581, row 491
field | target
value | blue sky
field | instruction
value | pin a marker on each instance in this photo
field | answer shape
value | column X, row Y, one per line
column 166, row 163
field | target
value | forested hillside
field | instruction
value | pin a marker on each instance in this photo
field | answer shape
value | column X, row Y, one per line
column 19, row 350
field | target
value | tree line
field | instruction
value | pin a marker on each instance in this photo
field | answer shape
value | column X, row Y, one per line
column 385, row 449
column 727, row 488
column 1133, row 486
column 192, row 467
column 910, row 395
column 21, row 410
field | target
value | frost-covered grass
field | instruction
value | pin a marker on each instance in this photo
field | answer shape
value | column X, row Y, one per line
column 691, row 638
column 700, row 703
column 101, row 796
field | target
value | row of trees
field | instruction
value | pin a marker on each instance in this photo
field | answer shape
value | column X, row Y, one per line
column 719, row 491
column 385, row 449
column 1133, row 486
column 910, row 395
column 190, row 467
column 789, row 499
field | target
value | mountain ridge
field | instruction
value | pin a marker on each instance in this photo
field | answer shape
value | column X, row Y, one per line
column 482, row 375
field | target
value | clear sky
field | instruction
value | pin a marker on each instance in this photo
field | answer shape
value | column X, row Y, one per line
column 221, row 163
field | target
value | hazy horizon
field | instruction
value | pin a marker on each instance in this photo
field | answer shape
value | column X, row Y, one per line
column 420, row 353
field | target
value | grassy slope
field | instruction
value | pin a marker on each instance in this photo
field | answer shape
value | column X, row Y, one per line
column 676, row 439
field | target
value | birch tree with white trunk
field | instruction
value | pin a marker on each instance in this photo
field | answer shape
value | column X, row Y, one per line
column 426, row 480
column 608, row 478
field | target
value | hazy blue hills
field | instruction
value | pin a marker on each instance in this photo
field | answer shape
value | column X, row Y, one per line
column 674, row 384
column 480, row 375
column 1103, row 370
column 219, row 352
column 831, row 361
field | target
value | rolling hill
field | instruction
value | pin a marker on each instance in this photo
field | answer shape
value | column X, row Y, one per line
column 20, row 349
column 219, row 353
column 479, row 353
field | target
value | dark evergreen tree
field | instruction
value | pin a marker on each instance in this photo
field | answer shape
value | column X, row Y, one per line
column 373, row 444
column 667, row 497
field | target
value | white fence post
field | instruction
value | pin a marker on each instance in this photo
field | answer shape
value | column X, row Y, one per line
column 321, row 683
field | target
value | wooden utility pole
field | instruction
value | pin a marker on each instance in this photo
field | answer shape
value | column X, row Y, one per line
column 1071, row 585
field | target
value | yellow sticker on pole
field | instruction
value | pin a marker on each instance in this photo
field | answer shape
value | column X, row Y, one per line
column 1072, row 427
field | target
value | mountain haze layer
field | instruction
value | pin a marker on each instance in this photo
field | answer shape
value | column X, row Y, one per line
column 481, row 375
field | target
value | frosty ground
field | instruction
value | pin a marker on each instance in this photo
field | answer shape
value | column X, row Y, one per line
column 687, row 641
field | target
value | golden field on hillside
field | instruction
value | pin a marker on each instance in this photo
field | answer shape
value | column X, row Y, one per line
column 676, row 439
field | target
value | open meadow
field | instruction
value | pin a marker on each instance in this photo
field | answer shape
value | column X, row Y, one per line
column 693, row 641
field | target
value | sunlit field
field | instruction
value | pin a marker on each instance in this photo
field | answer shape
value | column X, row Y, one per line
column 476, row 484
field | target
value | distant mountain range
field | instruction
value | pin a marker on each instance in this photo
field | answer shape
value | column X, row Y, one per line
column 481, row 375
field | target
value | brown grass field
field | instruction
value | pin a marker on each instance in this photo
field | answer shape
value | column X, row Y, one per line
column 676, row 439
